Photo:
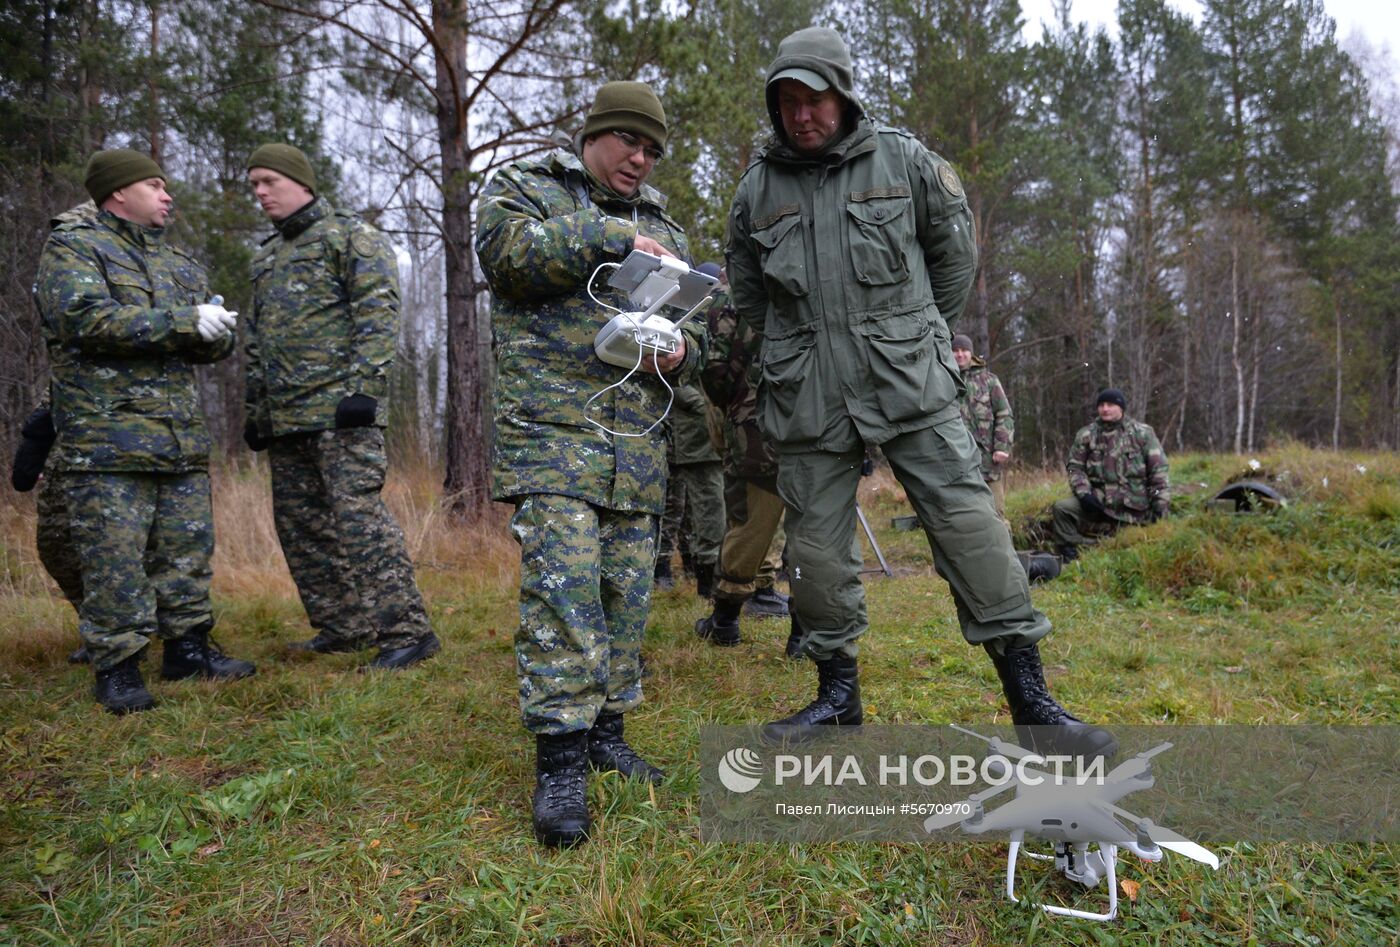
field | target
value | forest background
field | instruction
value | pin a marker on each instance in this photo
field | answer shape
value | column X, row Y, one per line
column 1200, row 211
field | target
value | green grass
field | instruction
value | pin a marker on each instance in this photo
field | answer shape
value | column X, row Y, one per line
column 313, row 804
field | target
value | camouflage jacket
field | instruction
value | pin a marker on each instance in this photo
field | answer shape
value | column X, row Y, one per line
column 850, row 263
column 1124, row 466
column 730, row 376
column 987, row 413
column 690, row 428
column 118, row 310
column 543, row 228
column 325, row 320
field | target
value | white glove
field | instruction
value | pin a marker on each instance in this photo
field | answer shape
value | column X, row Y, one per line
column 215, row 321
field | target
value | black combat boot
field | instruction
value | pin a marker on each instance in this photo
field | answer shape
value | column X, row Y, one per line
column 793, row 648
column 560, row 802
column 194, row 655
column 661, row 577
column 395, row 659
column 120, row 688
column 608, row 752
column 837, row 704
column 720, row 627
column 1067, row 552
column 1041, row 723
column 767, row 602
column 704, row 579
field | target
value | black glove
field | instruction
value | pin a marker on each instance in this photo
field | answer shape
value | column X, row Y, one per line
column 1090, row 504
column 1157, row 514
column 355, row 411
column 252, row 438
column 38, row 436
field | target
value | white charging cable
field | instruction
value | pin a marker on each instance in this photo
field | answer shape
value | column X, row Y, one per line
column 655, row 360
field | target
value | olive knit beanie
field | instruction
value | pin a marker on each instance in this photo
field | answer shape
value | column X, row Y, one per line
column 628, row 107
column 287, row 160
column 112, row 170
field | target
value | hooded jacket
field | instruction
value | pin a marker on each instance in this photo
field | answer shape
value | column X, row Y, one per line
column 849, row 263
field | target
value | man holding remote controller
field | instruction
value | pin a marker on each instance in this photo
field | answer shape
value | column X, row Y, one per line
column 586, row 501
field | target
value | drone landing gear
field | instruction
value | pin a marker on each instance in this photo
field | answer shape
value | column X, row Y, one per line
column 1078, row 864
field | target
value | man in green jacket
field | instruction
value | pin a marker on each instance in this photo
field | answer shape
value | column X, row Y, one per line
column 126, row 320
column 319, row 348
column 578, row 449
column 850, row 246
column 1117, row 473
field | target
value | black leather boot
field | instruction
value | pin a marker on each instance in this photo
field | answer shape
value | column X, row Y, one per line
column 768, row 602
column 194, row 655
column 608, row 752
column 720, row 627
column 662, row 578
column 120, row 688
column 1041, row 723
column 837, row 704
column 704, row 579
column 561, row 803
column 793, row 648
column 396, row 659
column 1067, row 552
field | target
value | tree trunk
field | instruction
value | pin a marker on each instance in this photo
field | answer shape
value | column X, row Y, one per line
column 1337, row 404
column 1235, row 363
column 466, row 488
column 153, row 84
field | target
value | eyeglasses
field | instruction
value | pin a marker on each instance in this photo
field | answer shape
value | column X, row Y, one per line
column 633, row 144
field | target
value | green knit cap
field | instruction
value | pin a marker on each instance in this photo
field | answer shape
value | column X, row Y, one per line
column 112, row 170
column 628, row 107
column 285, row 159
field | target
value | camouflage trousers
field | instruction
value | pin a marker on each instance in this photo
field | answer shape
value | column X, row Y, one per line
column 585, row 589
column 753, row 542
column 1074, row 527
column 144, row 541
column 54, row 540
column 694, row 499
column 938, row 468
column 344, row 549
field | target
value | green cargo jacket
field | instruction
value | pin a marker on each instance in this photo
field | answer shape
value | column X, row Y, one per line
column 690, row 428
column 325, row 320
column 118, row 306
column 543, row 228
column 850, row 264
column 1122, row 464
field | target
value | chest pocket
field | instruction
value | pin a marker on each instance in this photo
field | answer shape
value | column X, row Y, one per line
column 129, row 285
column 783, row 253
column 189, row 283
column 881, row 230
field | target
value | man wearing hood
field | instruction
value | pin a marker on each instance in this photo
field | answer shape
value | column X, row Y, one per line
column 1118, row 474
column 850, row 246
column 987, row 413
column 588, row 481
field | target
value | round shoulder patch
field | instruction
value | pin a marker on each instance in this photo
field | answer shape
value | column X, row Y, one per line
column 366, row 242
column 949, row 179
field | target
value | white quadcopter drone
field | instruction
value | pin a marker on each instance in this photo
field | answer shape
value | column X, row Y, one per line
column 1073, row 814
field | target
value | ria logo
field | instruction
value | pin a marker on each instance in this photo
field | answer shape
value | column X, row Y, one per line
column 740, row 769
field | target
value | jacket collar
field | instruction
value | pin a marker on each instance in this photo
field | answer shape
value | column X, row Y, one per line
column 859, row 141
column 146, row 238
column 295, row 225
column 566, row 161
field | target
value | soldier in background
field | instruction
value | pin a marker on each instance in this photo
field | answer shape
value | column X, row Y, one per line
column 586, row 497
column 694, row 489
column 319, row 348
column 751, row 547
column 987, row 413
column 1118, row 474
column 125, row 323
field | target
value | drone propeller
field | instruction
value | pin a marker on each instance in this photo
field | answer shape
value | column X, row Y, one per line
column 1010, row 750
column 1136, row 766
column 954, row 816
column 1166, row 838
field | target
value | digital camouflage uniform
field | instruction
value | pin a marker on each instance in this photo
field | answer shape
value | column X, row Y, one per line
column 1123, row 464
column 324, row 326
column 987, row 413
column 119, row 314
column 751, row 550
column 587, row 502
column 695, row 490
column 849, row 263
